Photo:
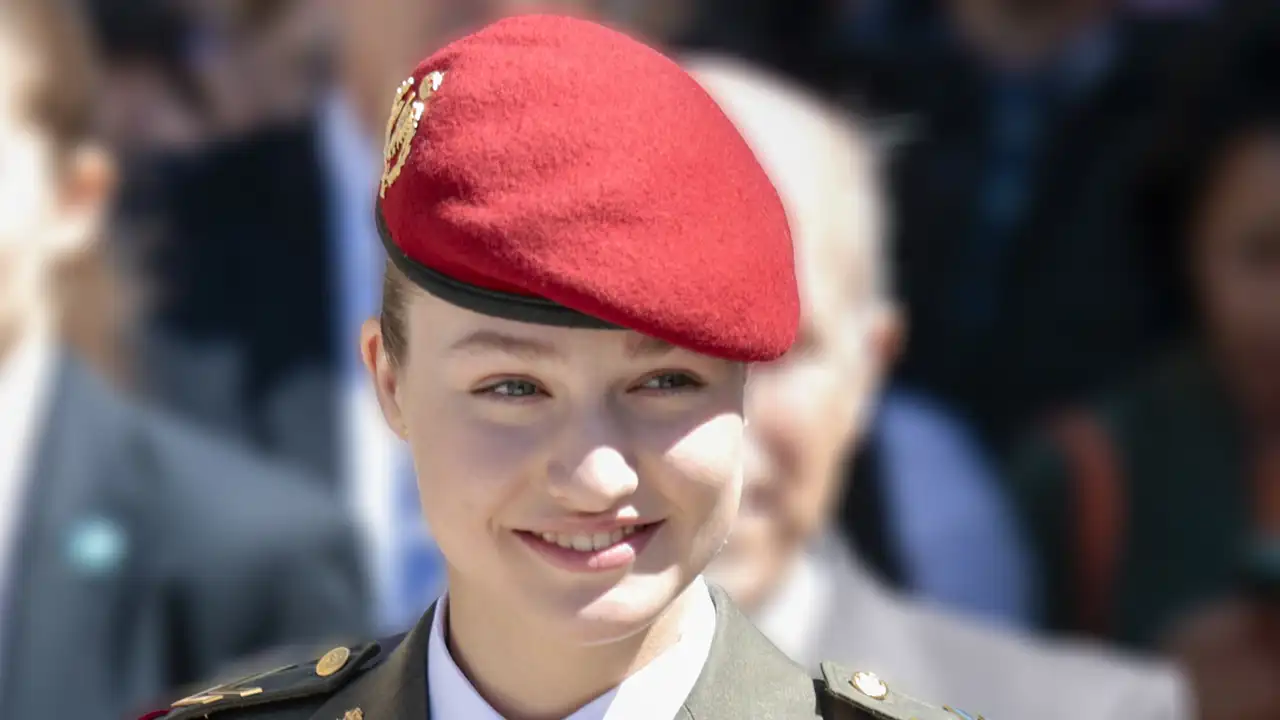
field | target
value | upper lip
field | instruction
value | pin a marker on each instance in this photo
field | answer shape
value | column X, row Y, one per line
column 587, row 526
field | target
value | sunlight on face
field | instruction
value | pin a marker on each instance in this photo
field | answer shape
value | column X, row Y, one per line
column 580, row 478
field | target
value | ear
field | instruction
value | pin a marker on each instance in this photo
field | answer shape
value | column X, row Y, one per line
column 384, row 375
column 87, row 190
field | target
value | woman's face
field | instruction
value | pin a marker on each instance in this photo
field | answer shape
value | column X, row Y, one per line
column 28, row 182
column 577, row 478
column 1236, row 265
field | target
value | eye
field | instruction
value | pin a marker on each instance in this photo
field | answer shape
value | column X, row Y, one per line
column 511, row 389
column 670, row 382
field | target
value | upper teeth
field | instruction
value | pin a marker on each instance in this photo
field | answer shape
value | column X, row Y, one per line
column 585, row 543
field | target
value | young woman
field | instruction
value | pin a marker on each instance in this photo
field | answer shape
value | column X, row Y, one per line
column 585, row 257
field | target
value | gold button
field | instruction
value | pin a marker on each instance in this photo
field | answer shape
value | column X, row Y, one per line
column 332, row 661
column 869, row 685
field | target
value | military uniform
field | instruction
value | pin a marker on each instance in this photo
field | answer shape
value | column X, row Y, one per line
column 744, row 677
column 552, row 171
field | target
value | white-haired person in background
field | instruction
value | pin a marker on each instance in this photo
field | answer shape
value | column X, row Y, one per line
column 784, row 562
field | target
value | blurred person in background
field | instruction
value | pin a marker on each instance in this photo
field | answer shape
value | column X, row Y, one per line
column 135, row 555
column 258, row 63
column 785, row 562
column 1145, row 506
column 149, row 103
column 922, row 487
column 1016, row 249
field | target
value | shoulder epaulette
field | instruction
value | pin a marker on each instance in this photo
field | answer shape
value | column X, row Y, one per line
column 319, row 677
column 869, row 693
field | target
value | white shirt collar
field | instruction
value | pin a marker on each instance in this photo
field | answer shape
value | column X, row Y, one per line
column 792, row 615
column 24, row 387
column 656, row 690
column 26, row 377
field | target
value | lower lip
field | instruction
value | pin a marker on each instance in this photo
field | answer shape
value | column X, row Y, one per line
column 618, row 555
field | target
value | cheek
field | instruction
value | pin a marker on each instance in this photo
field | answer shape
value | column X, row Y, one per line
column 702, row 476
column 468, row 470
column 822, row 407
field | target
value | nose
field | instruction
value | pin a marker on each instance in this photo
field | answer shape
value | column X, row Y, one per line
column 595, row 471
column 598, row 482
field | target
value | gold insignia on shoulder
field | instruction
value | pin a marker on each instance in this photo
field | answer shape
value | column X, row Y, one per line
column 869, row 684
column 228, row 690
column 215, row 694
column 870, row 693
column 332, row 661
column 961, row 714
column 406, row 112
column 197, row 699
column 353, row 714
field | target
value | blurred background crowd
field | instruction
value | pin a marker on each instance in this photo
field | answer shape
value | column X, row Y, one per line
column 1037, row 393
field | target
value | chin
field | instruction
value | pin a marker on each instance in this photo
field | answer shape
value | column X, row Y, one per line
column 595, row 617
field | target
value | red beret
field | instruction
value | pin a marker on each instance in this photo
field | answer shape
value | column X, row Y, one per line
column 551, row 170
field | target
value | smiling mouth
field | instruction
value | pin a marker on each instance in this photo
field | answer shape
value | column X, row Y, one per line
column 591, row 551
column 592, row 542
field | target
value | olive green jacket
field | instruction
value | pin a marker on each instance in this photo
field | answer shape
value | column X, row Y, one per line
column 745, row 676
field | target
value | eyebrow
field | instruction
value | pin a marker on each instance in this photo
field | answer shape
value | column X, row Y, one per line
column 492, row 341
column 643, row 346
column 638, row 346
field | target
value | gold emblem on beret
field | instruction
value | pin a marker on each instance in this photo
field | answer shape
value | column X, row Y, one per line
column 406, row 113
column 353, row 714
column 870, row 685
column 332, row 661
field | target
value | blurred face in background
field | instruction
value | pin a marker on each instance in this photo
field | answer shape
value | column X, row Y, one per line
column 52, row 192
column 1236, row 266
column 805, row 413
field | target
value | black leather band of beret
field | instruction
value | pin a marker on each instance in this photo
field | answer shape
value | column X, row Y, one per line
column 493, row 303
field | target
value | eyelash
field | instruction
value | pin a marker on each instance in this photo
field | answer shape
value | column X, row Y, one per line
column 683, row 382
